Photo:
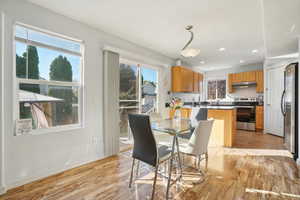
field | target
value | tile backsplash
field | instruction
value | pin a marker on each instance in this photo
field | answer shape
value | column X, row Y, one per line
column 187, row 97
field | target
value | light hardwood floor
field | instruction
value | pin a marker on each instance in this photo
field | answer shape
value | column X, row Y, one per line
column 256, row 168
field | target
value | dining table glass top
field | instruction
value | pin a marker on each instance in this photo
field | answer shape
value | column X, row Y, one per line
column 172, row 126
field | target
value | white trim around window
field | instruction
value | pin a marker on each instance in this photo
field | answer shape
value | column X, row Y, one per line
column 79, row 84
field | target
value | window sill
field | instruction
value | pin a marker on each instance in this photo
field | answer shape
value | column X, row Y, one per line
column 57, row 129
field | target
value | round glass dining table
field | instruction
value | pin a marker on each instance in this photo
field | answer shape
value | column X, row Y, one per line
column 173, row 127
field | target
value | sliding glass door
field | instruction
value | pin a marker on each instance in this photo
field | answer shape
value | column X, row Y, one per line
column 138, row 93
column 149, row 89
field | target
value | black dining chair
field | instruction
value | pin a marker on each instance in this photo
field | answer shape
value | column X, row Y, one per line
column 145, row 148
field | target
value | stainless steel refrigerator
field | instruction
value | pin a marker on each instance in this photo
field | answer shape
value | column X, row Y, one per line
column 289, row 108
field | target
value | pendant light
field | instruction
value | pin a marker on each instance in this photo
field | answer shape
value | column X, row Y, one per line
column 189, row 52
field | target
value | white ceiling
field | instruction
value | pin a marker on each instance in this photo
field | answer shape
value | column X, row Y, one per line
column 282, row 26
column 237, row 25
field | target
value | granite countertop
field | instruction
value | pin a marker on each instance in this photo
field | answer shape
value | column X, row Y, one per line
column 212, row 107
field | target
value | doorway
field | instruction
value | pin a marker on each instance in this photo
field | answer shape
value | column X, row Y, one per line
column 138, row 94
column 275, row 87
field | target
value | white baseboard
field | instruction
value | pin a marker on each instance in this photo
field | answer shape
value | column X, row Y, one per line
column 46, row 173
column 2, row 190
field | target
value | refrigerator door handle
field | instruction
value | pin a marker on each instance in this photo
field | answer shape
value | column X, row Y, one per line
column 282, row 103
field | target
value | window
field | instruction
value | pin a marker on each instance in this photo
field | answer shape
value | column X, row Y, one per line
column 48, row 74
column 216, row 89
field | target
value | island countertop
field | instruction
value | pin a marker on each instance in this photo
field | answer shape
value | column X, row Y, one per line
column 212, row 107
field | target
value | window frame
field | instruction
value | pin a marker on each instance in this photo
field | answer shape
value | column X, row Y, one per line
column 17, row 81
column 139, row 97
column 216, row 79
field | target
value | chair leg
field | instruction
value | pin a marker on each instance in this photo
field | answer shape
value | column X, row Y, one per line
column 131, row 174
column 154, row 182
column 137, row 169
column 206, row 160
column 198, row 165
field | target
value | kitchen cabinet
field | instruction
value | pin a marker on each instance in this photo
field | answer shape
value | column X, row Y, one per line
column 224, row 127
column 260, row 81
column 229, row 82
column 249, row 76
column 244, row 77
column 196, row 82
column 259, row 118
column 252, row 76
column 185, row 80
column 185, row 112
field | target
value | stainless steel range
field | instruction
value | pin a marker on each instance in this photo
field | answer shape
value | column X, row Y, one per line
column 246, row 113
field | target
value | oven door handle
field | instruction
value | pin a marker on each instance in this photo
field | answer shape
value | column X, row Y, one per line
column 244, row 106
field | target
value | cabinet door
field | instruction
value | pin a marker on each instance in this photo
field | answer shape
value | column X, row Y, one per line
column 190, row 80
column 185, row 79
column 238, row 77
column 230, row 81
column 259, row 112
column 196, row 82
column 249, row 76
column 177, row 84
column 260, row 81
column 185, row 113
column 233, row 78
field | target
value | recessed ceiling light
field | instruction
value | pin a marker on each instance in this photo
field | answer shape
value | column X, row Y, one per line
column 242, row 61
column 202, row 62
column 222, row 49
column 254, row 51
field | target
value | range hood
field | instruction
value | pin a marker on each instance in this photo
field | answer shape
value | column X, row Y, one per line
column 243, row 84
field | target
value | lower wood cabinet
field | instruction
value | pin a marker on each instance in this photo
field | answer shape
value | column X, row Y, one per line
column 259, row 116
column 224, row 127
column 260, row 81
column 185, row 112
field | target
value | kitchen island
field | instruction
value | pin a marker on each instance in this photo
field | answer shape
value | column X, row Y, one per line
column 224, row 127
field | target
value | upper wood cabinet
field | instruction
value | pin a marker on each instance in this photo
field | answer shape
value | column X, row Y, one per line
column 260, row 81
column 243, row 77
column 229, row 82
column 196, row 82
column 252, row 76
column 185, row 80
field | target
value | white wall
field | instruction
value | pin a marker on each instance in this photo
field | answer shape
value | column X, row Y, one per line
column 30, row 157
column 2, row 189
column 223, row 74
